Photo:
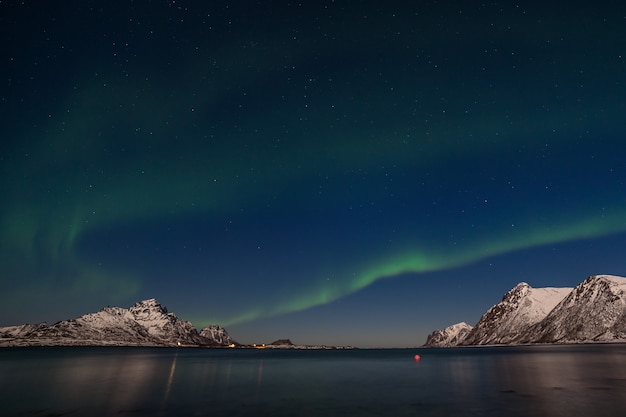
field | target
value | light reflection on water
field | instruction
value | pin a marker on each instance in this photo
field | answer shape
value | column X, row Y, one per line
column 542, row 381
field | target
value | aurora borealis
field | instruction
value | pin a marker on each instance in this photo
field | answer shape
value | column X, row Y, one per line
column 307, row 171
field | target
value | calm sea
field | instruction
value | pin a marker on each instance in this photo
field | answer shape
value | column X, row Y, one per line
column 586, row 380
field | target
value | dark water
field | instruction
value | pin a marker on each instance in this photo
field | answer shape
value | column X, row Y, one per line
column 588, row 380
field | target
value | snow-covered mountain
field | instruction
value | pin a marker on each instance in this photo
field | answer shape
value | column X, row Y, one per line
column 593, row 311
column 520, row 308
column 450, row 336
column 147, row 323
column 217, row 334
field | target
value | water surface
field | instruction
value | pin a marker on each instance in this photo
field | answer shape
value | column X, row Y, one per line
column 568, row 381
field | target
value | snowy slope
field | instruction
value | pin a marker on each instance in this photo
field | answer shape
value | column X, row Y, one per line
column 520, row 308
column 147, row 323
column 450, row 336
column 594, row 311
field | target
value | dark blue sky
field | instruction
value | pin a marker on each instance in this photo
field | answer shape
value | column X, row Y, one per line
column 334, row 172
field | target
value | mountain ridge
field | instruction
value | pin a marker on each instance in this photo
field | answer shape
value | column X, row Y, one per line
column 522, row 306
column 146, row 323
column 593, row 311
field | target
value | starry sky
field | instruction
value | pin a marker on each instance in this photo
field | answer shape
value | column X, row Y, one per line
column 327, row 171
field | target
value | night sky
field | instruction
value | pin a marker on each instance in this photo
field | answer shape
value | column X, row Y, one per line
column 330, row 172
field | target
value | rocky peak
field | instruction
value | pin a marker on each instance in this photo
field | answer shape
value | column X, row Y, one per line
column 450, row 336
column 509, row 302
column 216, row 334
column 517, row 292
column 520, row 308
column 596, row 286
column 593, row 311
column 151, row 304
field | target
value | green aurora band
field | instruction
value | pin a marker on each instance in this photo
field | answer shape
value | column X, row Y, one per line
column 421, row 261
column 39, row 230
column 51, row 206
